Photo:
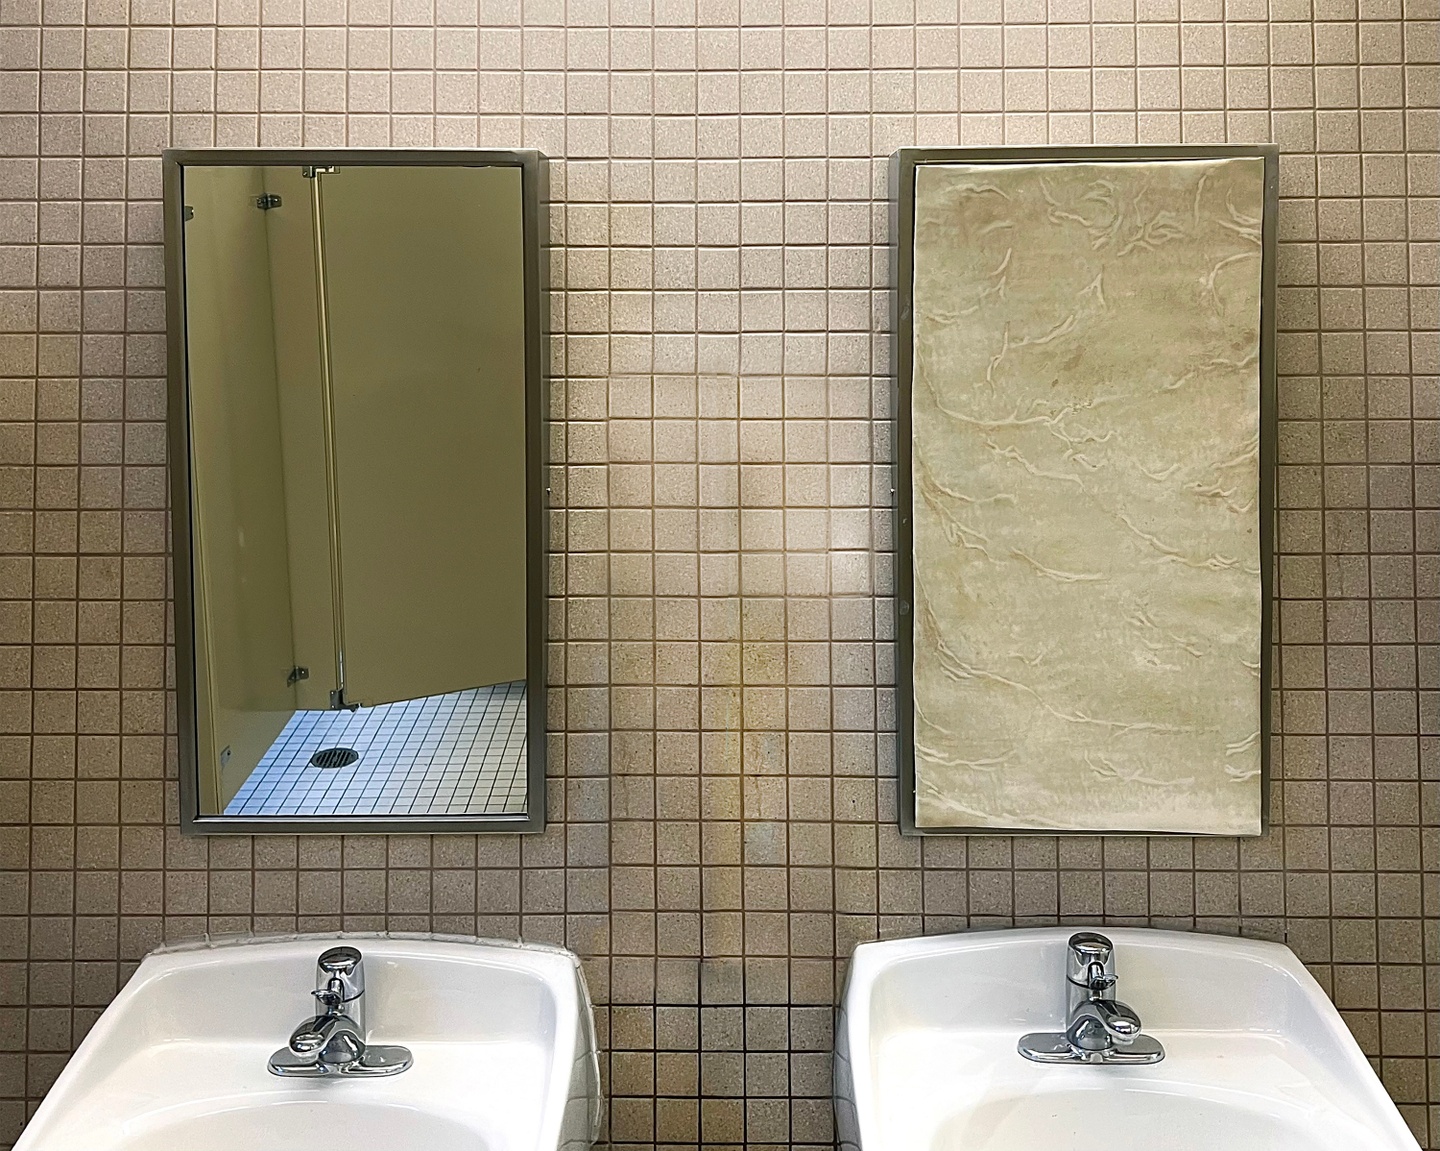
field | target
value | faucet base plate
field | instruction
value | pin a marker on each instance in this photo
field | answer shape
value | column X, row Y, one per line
column 379, row 1059
column 1054, row 1047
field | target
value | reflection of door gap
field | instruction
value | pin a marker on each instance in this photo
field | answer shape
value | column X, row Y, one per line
column 334, row 757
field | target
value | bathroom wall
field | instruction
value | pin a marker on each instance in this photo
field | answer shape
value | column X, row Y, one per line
column 722, row 759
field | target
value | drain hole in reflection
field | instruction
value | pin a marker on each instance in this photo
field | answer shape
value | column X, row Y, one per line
column 334, row 757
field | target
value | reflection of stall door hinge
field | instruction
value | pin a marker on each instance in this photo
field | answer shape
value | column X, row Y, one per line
column 310, row 171
column 189, row 213
column 296, row 675
column 339, row 703
column 267, row 201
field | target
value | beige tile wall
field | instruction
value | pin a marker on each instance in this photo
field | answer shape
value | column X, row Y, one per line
column 722, row 756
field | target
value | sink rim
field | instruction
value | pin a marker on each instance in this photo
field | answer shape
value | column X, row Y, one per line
column 557, row 972
column 857, row 1037
column 221, row 940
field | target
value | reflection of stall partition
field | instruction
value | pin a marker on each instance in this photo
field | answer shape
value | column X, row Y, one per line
column 242, row 582
column 423, row 287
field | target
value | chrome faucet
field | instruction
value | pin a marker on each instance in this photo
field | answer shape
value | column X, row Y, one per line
column 333, row 1042
column 1098, row 1027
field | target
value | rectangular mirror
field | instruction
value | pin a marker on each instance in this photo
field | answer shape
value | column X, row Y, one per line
column 357, row 472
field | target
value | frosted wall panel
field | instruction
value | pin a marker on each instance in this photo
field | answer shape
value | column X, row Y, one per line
column 1085, row 489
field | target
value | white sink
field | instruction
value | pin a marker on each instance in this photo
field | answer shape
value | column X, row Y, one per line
column 1256, row 1055
column 502, row 1038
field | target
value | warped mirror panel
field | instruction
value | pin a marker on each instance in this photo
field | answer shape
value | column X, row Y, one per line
column 1085, row 467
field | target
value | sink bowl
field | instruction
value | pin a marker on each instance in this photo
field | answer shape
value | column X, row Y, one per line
column 1256, row 1055
column 502, row 1037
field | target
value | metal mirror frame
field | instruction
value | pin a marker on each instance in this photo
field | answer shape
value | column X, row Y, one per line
column 903, row 165
column 535, row 196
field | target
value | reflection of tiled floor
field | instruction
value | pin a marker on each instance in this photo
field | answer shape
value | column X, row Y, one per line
column 457, row 754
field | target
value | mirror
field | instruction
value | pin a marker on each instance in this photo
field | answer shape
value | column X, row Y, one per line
column 1084, row 488
column 357, row 472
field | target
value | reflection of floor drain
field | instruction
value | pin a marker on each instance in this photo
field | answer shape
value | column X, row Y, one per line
column 334, row 757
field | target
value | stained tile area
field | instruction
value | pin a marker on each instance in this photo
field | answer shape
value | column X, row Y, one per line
column 456, row 754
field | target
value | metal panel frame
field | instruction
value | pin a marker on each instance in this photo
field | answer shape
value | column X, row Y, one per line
column 535, row 193
column 903, row 165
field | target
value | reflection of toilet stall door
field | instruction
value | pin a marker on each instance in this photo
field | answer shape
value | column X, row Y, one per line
column 240, row 565
column 424, row 274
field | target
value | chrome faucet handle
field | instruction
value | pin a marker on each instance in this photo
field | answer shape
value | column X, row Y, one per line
column 1090, row 962
column 342, row 960
column 340, row 984
column 1087, row 947
column 340, row 971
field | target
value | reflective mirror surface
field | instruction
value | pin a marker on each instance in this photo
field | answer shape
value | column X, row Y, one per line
column 357, row 462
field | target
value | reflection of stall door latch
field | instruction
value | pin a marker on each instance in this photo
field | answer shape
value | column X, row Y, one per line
column 225, row 757
column 267, row 201
column 188, row 213
column 296, row 675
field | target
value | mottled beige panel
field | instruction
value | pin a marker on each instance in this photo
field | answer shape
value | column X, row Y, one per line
column 1086, row 494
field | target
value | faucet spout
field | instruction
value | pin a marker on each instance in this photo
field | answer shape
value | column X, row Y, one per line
column 334, row 1040
column 1099, row 1024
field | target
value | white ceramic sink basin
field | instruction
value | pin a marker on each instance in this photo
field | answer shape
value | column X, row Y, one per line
column 1256, row 1055
column 502, row 1038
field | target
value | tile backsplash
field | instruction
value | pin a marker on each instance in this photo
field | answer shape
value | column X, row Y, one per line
column 722, row 784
